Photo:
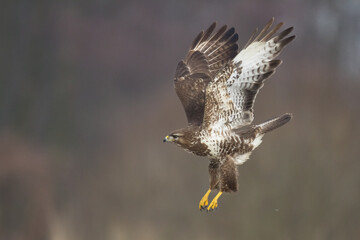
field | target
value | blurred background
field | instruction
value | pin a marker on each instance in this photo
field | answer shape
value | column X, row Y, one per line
column 86, row 97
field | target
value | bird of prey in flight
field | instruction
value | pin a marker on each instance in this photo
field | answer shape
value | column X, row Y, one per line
column 217, row 86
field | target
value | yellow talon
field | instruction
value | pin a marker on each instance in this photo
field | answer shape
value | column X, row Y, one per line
column 214, row 203
column 204, row 201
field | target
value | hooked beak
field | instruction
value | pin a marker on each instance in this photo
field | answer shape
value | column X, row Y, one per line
column 167, row 139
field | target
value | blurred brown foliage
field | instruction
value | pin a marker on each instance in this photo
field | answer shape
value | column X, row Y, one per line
column 86, row 98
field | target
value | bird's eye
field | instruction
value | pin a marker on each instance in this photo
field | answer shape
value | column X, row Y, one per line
column 174, row 136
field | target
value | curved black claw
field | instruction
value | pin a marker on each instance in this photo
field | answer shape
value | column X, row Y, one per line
column 211, row 210
column 202, row 208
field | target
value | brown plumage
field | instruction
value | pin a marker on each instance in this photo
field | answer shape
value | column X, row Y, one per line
column 217, row 87
column 206, row 57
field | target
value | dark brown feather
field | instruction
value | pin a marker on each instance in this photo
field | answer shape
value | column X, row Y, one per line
column 284, row 34
column 214, row 168
column 274, row 123
column 197, row 40
column 182, row 69
column 209, row 53
column 205, row 35
column 223, row 175
column 272, row 32
column 228, row 175
column 267, row 26
column 215, row 37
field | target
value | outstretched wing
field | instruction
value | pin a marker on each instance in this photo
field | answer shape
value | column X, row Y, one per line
column 230, row 97
column 209, row 53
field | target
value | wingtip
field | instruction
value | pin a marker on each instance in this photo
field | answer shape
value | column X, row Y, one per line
column 231, row 31
column 211, row 27
column 287, row 40
column 286, row 31
column 271, row 21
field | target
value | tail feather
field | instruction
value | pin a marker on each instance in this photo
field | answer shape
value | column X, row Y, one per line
column 274, row 123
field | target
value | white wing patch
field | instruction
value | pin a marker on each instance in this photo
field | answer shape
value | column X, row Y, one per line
column 231, row 95
column 258, row 51
column 255, row 64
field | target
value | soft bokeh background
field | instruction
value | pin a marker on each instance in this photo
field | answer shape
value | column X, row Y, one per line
column 86, row 97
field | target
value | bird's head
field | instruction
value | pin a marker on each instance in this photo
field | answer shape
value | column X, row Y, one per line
column 175, row 137
column 182, row 137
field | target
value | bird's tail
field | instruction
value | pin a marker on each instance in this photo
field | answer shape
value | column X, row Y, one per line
column 274, row 123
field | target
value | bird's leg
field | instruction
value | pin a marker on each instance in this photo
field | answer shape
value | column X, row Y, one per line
column 204, row 201
column 214, row 203
column 214, row 173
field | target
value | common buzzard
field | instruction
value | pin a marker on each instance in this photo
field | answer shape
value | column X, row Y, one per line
column 217, row 87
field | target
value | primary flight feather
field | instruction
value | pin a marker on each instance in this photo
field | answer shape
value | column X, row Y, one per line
column 217, row 87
